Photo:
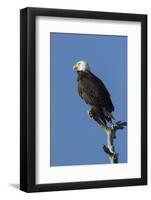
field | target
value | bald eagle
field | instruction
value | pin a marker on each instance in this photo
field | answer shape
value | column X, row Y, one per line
column 93, row 91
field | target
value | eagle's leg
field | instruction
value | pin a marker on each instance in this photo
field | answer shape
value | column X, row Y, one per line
column 95, row 114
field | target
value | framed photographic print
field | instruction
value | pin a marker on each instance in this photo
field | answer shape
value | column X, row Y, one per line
column 83, row 99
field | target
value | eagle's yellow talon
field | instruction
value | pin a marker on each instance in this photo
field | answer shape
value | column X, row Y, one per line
column 90, row 114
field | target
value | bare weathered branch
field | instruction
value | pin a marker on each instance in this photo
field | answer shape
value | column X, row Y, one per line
column 109, row 149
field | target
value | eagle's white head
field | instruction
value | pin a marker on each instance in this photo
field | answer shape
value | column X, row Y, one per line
column 81, row 66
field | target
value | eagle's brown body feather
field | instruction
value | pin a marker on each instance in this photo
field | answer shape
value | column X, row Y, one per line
column 92, row 90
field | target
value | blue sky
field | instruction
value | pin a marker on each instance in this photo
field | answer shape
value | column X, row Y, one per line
column 75, row 138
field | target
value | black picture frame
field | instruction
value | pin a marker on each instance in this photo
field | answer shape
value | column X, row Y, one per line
column 28, row 99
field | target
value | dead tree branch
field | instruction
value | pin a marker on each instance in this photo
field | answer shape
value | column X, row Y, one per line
column 109, row 148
